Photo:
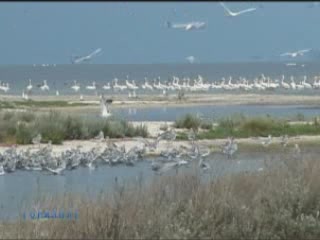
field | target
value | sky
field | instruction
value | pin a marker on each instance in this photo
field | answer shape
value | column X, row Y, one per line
column 135, row 32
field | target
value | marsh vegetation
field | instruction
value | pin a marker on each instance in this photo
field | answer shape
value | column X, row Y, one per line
column 280, row 202
column 20, row 128
column 240, row 126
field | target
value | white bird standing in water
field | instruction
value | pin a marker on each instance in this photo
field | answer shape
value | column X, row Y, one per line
column 25, row 96
column 44, row 86
column 104, row 106
column 29, row 87
column 92, row 87
column 75, row 86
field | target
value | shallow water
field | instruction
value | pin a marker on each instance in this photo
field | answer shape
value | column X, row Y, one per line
column 21, row 188
column 171, row 113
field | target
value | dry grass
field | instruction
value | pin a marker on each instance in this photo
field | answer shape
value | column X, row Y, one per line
column 281, row 203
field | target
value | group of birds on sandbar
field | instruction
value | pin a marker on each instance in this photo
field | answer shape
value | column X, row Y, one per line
column 42, row 158
column 175, row 84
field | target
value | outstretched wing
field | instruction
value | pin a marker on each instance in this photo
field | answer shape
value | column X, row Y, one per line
column 247, row 10
column 95, row 52
column 226, row 8
column 304, row 51
column 285, row 54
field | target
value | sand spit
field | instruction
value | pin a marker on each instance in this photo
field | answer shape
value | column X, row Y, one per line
column 191, row 100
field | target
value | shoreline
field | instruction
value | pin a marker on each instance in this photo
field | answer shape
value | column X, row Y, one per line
column 245, row 144
column 145, row 101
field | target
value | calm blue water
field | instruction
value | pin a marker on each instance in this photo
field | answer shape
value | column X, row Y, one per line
column 164, row 113
column 61, row 77
column 22, row 188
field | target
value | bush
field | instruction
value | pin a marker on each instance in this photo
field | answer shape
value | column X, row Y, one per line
column 206, row 125
column 188, row 121
column 258, row 127
column 300, row 117
column 141, row 131
column 23, row 134
column 73, row 128
column 27, row 117
column 8, row 116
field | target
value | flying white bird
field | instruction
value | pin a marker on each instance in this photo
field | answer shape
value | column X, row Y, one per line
column 191, row 59
column 295, row 54
column 234, row 14
column 86, row 58
column 187, row 26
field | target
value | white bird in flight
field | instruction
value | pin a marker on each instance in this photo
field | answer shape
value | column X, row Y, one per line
column 191, row 59
column 295, row 54
column 187, row 26
column 87, row 57
column 234, row 14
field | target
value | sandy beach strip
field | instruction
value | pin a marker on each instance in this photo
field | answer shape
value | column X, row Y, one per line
column 216, row 144
column 191, row 100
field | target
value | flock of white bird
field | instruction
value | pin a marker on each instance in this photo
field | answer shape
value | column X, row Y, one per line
column 186, row 84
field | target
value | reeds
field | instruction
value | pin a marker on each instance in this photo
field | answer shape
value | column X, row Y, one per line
column 281, row 202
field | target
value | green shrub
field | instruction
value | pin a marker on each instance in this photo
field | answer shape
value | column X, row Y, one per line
column 141, row 131
column 8, row 116
column 73, row 128
column 206, row 125
column 300, row 117
column 51, row 128
column 27, row 117
column 23, row 134
column 188, row 121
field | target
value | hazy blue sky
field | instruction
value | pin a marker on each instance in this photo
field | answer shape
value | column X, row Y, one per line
column 50, row 32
